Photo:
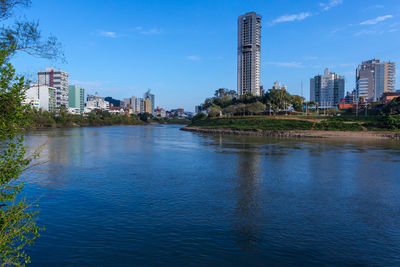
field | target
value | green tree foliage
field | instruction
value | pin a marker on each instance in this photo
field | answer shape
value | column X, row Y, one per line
column 392, row 122
column 393, row 107
column 25, row 35
column 214, row 111
column 256, row 108
column 222, row 92
column 17, row 217
column 199, row 117
column 297, row 102
column 248, row 104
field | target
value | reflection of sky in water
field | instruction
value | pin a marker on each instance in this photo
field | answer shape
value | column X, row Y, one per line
column 141, row 191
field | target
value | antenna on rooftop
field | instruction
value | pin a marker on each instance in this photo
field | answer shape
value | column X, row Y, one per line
column 302, row 88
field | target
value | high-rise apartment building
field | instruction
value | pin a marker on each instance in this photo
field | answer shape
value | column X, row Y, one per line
column 327, row 90
column 132, row 103
column 145, row 105
column 76, row 98
column 249, row 52
column 57, row 79
column 152, row 99
column 373, row 78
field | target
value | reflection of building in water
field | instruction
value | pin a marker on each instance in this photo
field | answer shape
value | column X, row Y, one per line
column 249, row 202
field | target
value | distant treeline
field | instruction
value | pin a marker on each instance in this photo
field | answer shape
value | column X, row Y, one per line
column 62, row 119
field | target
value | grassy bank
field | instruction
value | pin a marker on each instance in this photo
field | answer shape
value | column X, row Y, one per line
column 290, row 123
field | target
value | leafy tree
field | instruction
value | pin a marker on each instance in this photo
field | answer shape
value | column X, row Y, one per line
column 17, row 217
column 256, row 108
column 297, row 102
column 221, row 92
column 393, row 107
column 199, row 117
column 214, row 111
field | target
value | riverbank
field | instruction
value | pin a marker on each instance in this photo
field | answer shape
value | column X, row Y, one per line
column 372, row 128
column 299, row 133
column 47, row 120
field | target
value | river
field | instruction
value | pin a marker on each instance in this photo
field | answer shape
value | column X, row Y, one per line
column 155, row 195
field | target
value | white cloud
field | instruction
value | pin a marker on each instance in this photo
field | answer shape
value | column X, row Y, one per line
column 330, row 4
column 294, row 17
column 193, row 57
column 376, row 20
column 287, row 64
column 108, row 34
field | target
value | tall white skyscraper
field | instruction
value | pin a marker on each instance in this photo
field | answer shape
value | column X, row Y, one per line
column 57, row 79
column 373, row 78
column 249, row 52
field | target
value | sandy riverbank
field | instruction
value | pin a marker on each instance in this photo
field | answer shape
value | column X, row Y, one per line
column 300, row 133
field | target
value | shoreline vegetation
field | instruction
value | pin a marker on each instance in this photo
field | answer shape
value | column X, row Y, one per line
column 297, row 126
column 61, row 119
column 280, row 114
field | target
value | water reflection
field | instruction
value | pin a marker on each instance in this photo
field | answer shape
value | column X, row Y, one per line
column 248, row 201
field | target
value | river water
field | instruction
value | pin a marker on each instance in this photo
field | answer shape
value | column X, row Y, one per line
column 155, row 195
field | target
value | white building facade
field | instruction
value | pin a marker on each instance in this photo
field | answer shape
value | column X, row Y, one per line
column 96, row 102
column 41, row 97
column 57, row 79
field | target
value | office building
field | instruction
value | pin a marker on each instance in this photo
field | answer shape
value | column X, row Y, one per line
column 152, row 99
column 373, row 78
column 249, row 52
column 76, row 98
column 327, row 90
column 57, row 79
column 41, row 97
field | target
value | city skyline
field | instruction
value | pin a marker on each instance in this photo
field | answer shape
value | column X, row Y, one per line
column 124, row 55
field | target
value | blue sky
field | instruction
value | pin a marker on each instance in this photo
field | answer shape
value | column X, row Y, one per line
column 185, row 50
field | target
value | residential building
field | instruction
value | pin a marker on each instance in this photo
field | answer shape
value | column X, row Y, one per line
column 152, row 99
column 57, row 79
column 76, row 98
column 327, row 90
column 373, row 78
column 96, row 102
column 145, row 105
column 249, row 52
column 41, row 97
column 160, row 112
column 279, row 86
column 132, row 103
